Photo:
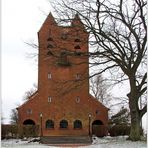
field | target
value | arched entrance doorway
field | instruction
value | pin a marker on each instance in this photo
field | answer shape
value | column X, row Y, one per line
column 98, row 128
column 29, row 129
column 28, row 122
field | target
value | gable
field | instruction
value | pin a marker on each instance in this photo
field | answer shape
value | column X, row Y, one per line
column 96, row 102
column 30, row 100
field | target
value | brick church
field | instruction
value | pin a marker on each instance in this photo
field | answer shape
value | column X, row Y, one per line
column 62, row 105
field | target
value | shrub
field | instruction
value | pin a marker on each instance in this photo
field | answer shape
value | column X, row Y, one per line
column 30, row 130
column 9, row 131
column 15, row 131
column 119, row 130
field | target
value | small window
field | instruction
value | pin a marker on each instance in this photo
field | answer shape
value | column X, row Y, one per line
column 49, row 99
column 77, row 124
column 78, row 52
column 49, row 53
column 64, row 36
column 77, row 99
column 49, row 46
column 29, row 111
column 77, row 40
column 97, row 112
column 78, row 76
column 49, row 75
column 49, row 39
column 49, row 124
column 77, row 47
column 63, row 124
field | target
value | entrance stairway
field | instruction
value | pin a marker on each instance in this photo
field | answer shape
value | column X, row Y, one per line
column 66, row 140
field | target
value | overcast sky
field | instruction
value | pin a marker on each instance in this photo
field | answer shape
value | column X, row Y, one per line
column 21, row 20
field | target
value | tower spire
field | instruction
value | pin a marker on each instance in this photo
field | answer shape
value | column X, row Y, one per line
column 76, row 22
column 48, row 21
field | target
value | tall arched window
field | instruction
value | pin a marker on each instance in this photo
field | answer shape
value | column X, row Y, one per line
column 63, row 124
column 77, row 124
column 49, row 124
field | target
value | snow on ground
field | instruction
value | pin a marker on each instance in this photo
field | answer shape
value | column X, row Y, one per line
column 18, row 143
column 116, row 142
column 106, row 142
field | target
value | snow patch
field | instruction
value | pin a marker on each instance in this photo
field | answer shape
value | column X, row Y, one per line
column 105, row 142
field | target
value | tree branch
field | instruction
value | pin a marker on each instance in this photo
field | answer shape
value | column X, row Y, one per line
column 143, row 111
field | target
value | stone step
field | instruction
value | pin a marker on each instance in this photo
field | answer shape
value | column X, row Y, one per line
column 66, row 140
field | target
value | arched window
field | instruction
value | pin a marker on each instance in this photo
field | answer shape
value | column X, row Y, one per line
column 49, row 124
column 77, row 124
column 63, row 124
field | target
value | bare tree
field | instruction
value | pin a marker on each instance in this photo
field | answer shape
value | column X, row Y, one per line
column 2, row 119
column 14, row 116
column 100, row 89
column 117, row 44
column 27, row 95
column 30, row 92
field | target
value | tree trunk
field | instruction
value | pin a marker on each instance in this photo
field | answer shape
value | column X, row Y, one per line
column 134, row 111
column 135, row 131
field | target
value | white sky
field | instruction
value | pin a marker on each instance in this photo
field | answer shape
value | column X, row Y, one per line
column 21, row 20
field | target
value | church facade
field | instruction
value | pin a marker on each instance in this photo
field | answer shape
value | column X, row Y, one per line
column 62, row 105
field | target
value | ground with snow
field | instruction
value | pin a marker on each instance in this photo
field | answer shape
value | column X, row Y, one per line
column 106, row 142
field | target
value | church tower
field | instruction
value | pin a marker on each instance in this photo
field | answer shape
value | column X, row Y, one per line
column 62, row 60
column 63, row 101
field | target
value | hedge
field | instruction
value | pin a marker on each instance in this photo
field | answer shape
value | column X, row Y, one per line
column 19, row 131
column 119, row 130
